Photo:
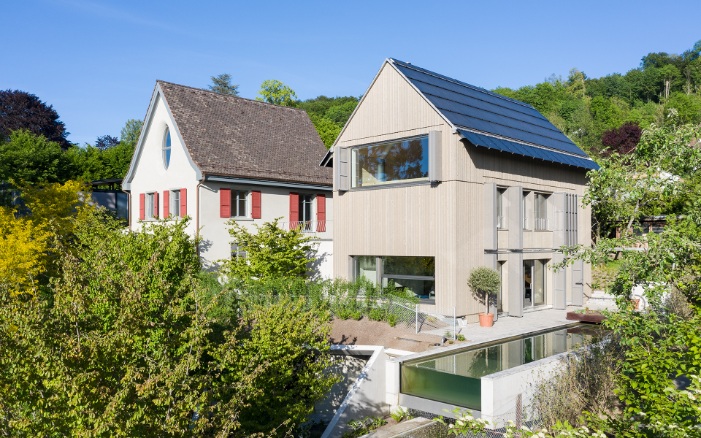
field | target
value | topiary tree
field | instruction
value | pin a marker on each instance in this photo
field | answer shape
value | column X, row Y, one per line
column 484, row 283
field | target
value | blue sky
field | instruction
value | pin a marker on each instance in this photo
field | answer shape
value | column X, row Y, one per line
column 97, row 62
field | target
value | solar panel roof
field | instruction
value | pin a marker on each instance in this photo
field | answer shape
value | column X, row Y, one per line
column 474, row 108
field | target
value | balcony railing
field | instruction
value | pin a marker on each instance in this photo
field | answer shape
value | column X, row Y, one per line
column 308, row 226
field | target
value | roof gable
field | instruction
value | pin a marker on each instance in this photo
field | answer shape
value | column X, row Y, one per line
column 236, row 137
column 473, row 109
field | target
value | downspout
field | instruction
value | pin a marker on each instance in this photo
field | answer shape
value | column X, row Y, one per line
column 197, row 216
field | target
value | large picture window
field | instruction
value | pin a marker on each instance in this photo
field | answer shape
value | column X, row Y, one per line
column 414, row 274
column 398, row 161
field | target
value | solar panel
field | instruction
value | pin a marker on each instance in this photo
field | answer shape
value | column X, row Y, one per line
column 504, row 145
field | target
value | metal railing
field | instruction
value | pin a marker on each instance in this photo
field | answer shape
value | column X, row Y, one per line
column 308, row 226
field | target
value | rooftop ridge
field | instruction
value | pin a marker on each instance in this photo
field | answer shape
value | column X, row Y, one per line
column 227, row 96
column 458, row 82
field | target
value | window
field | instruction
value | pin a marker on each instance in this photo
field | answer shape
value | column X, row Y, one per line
column 414, row 274
column 526, row 210
column 174, row 203
column 236, row 252
column 305, row 212
column 166, row 148
column 541, row 212
column 501, row 220
column 150, row 206
column 238, row 203
column 534, row 282
column 397, row 161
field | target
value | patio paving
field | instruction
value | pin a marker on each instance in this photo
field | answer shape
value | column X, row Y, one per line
column 508, row 326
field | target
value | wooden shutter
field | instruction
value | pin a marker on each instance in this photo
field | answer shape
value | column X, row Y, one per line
column 321, row 213
column 341, row 167
column 224, row 202
column 255, row 205
column 183, row 202
column 434, row 156
column 166, row 203
column 155, row 204
column 294, row 210
column 142, row 206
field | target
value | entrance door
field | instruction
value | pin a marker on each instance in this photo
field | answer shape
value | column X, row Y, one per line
column 528, row 268
column 533, row 283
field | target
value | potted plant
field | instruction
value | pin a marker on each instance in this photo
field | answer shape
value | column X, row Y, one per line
column 484, row 283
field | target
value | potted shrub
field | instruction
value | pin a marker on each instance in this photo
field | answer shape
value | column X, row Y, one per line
column 484, row 283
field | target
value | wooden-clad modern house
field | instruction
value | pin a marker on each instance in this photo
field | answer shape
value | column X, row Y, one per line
column 216, row 157
column 434, row 177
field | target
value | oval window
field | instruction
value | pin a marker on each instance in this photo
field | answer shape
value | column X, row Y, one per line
column 166, row 148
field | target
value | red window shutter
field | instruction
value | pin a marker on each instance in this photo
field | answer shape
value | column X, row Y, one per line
column 294, row 210
column 142, row 206
column 320, row 213
column 166, row 203
column 183, row 202
column 155, row 204
column 224, row 202
column 255, row 205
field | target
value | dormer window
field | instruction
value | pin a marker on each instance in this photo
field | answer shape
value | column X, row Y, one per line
column 166, row 148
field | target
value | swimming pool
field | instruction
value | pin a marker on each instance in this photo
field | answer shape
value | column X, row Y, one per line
column 454, row 377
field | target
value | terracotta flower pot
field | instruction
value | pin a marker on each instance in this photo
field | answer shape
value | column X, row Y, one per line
column 486, row 320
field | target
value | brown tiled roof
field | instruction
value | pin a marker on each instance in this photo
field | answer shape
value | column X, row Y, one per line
column 232, row 136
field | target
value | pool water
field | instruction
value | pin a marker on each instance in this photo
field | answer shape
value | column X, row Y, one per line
column 454, row 377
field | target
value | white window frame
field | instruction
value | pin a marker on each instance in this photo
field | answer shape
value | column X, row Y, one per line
column 167, row 148
column 236, row 196
column 306, row 223
column 148, row 207
column 174, row 203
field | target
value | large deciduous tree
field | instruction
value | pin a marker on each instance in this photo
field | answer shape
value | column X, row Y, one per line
column 277, row 93
column 22, row 110
column 32, row 158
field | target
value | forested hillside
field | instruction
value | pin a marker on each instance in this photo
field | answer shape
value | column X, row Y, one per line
column 588, row 108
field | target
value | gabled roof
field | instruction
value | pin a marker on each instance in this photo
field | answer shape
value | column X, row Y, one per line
column 235, row 137
column 497, row 122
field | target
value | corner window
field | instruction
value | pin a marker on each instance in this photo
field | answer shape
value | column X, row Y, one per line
column 392, row 162
column 239, row 203
column 166, row 148
column 414, row 274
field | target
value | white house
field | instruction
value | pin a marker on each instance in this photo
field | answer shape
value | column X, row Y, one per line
column 434, row 177
column 216, row 157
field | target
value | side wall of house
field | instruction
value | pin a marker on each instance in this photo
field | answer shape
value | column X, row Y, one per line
column 274, row 204
column 151, row 174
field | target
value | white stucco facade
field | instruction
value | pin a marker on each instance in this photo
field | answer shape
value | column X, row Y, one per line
column 148, row 175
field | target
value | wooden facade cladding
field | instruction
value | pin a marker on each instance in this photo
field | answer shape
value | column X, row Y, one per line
column 454, row 218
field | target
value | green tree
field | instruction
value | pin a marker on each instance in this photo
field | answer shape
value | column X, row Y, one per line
column 269, row 252
column 33, row 159
column 277, row 93
column 129, row 342
column 659, row 346
column 131, row 131
column 222, row 84
column 326, row 128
